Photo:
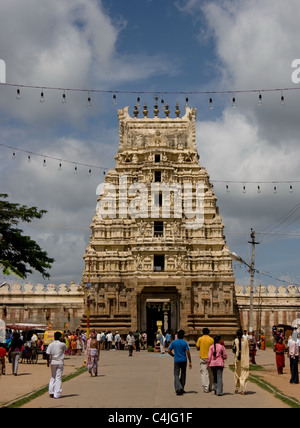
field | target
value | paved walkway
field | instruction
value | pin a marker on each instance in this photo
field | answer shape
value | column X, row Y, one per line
column 142, row 381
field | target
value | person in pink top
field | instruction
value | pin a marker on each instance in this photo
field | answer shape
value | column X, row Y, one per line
column 216, row 356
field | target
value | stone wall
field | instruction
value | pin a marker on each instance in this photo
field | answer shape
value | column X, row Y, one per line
column 42, row 304
column 65, row 303
column 271, row 306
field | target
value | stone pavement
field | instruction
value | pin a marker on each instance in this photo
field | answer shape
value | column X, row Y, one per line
column 31, row 377
column 142, row 381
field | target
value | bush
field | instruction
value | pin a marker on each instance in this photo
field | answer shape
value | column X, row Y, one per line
column 150, row 349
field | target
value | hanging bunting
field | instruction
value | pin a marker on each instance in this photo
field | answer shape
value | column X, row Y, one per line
column 138, row 92
column 245, row 185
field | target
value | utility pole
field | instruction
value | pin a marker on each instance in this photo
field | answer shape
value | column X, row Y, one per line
column 88, row 302
column 252, row 270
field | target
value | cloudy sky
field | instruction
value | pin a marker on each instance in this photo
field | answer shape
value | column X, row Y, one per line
column 228, row 48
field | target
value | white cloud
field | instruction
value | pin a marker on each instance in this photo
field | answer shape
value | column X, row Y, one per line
column 67, row 45
column 256, row 43
column 75, row 44
column 248, row 156
column 55, row 44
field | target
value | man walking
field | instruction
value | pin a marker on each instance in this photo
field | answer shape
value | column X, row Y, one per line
column 137, row 337
column 117, row 339
column 161, row 339
column 109, row 340
column 181, row 354
column 130, row 343
column 203, row 344
column 294, row 359
column 55, row 356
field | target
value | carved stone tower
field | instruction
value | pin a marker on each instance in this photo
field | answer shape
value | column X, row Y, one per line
column 157, row 250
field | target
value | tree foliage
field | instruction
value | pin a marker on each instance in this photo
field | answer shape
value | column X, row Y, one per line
column 19, row 254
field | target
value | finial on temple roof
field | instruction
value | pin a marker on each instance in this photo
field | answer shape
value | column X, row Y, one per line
column 145, row 111
column 167, row 111
column 156, row 111
column 136, row 111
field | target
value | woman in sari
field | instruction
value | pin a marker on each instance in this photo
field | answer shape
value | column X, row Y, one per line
column 241, row 362
column 92, row 354
column 262, row 342
column 74, row 344
column 279, row 349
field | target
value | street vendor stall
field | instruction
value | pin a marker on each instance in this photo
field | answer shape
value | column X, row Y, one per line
column 26, row 326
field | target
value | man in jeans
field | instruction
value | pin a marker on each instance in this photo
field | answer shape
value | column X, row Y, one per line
column 181, row 354
column 203, row 344
column 55, row 355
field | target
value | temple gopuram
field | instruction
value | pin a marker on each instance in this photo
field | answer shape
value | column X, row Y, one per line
column 157, row 253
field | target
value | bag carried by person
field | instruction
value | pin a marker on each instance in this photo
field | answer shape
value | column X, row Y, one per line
column 234, row 347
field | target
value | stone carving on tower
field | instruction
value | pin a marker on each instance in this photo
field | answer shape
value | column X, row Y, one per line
column 157, row 251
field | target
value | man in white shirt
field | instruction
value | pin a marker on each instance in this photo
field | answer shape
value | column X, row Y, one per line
column 55, row 355
column 294, row 356
column 130, row 342
column 34, row 340
column 109, row 339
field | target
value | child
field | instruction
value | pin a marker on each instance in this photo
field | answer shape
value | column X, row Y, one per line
column 3, row 354
column 73, row 344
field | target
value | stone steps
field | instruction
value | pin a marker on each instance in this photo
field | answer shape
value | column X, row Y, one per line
column 117, row 322
column 225, row 325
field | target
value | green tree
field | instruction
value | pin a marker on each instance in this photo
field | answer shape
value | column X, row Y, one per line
column 19, row 254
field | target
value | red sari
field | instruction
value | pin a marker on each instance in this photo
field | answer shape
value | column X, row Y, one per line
column 279, row 349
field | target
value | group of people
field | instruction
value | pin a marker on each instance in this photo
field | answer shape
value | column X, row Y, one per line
column 291, row 347
column 17, row 343
column 75, row 342
column 213, row 355
column 55, row 358
column 97, row 341
column 12, row 350
column 108, row 340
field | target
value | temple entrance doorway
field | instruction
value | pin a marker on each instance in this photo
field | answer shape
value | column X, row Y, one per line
column 157, row 311
column 161, row 304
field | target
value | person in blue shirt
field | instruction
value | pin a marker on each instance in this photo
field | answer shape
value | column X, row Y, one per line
column 181, row 353
column 168, row 339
